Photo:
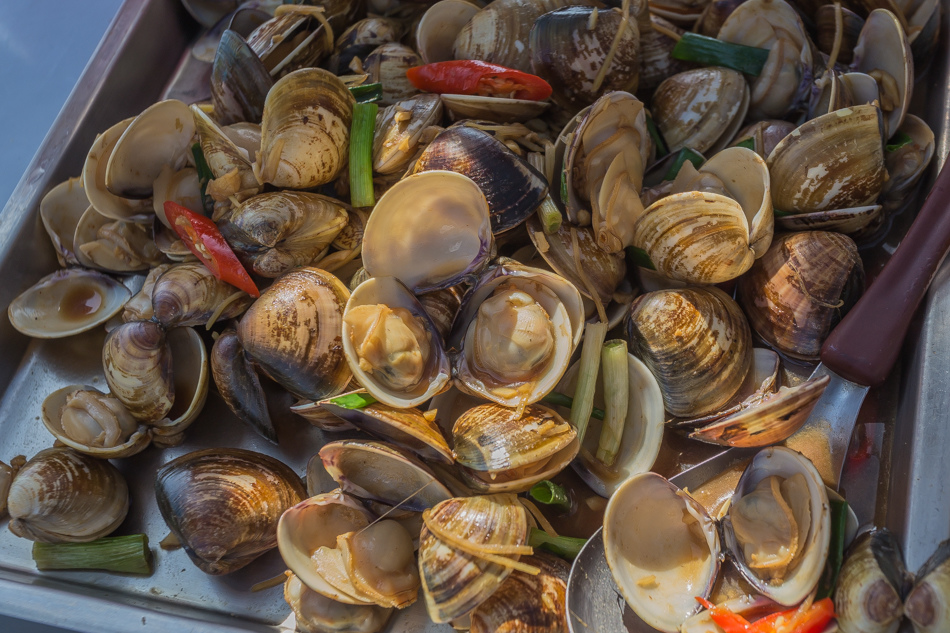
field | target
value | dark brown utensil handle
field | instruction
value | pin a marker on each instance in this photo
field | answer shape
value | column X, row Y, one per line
column 865, row 345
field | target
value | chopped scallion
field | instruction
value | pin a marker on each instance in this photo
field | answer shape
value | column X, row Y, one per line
column 361, row 154
column 709, row 51
column 616, row 380
column 564, row 546
column 594, row 335
column 127, row 554
column 353, row 400
column 367, row 93
column 550, row 494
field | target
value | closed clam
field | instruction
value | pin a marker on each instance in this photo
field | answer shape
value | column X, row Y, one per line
column 239, row 81
column 501, row 452
column 361, row 38
column 292, row 333
column 526, row 603
column 439, row 213
column 291, row 40
column 701, row 108
column 512, row 187
column 239, row 385
column 801, row 289
column 64, row 496
column 515, row 332
column 462, row 548
column 91, row 422
column 713, row 231
column 662, row 548
column 189, row 294
column 833, row 162
column 387, row 64
column 275, row 232
column 224, row 504
column 570, row 54
column 305, row 130
column 872, row 584
column 391, row 344
column 696, row 342
column 138, row 368
column 67, row 302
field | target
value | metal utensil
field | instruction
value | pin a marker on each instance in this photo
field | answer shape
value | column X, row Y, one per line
column 594, row 602
column 859, row 354
column 862, row 349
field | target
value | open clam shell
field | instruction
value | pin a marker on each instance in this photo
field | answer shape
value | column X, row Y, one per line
column 662, row 548
column 788, row 567
column 224, row 504
column 239, row 385
column 381, row 472
column 191, row 373
column 315, row 613
column 97, row 414
column 397, row 136
column 516, row 366
column 67, row 302
column 160, row 136
column 430, row 231
column 392, row 346
column 61, row 496
column 884, row 52
column 927, row 606
column 500, row 109
column 512, row 187
column 498, row 451
column 60, row 210
column 642, row 430
column 439, row 26
column 239, row 81
column 94, row 177
column 407, row 428
column 533, row 603
column 120, row 246
column 314, row 523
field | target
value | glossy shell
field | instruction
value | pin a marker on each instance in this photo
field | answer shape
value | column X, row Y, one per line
column 60, row 210
column 64, row 496
column 526, row 603
column 696, row 342
column 871, row 585
column 801, row 289
column 67, row 302
column 224, row 504
column 189, row 294
column 315, row 613
column 926, row 606
column 292, row 332
column 662, row 548
column 439, row 213
column 138, row 368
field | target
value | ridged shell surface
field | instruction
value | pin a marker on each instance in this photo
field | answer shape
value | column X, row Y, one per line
column 224, row 504
column 526, row 603
column 293, row 333
column 188, row 294
column 305, row 130
column 696, row 342
column 872, row 581
column 801, row 289
column 455, row 582
column 64, row 496
column 138, row 367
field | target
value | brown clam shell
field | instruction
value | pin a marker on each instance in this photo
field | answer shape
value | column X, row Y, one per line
column 799, row 290
column 526, row 603
column 224, row 504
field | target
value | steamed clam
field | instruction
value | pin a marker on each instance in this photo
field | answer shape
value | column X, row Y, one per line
column 315, row 613
column 189, row 294
column 64, row 496
column 224, row 504
column 926, row 605
column 531, row 604
column 515, row 332
column 872, row 585
column 91, row 422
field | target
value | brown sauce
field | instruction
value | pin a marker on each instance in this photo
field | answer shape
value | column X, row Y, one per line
column 79, row 301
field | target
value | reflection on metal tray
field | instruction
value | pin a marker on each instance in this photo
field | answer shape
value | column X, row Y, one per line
column 155, row 35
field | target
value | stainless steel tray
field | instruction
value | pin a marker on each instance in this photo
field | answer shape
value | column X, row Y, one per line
column 143, row 57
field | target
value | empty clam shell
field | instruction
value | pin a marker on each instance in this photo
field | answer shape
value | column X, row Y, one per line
column 60, row 210
column 67, row 302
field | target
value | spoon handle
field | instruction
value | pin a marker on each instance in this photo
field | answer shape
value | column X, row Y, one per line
column 864, row 346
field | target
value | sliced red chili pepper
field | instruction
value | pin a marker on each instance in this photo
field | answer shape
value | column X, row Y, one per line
column 203, row 238
column 812, row 620
column 473, row 77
